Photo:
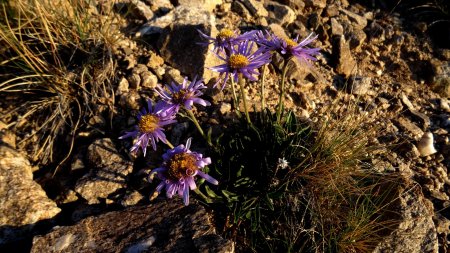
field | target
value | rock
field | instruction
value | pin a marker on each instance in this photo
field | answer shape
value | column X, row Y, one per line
column 130, row 100
column 123, row 86
column 360, row 85
column 131, row 199
column 422, row 118
column 336, row 27
column 23, row 202
column 442, row 224
column 416, row 233
column 149, row 80
column 108, row 174
column 140, row 9
column 160, row 6
column 409, row 150
column 357, row 38
column 155, row 61
column 296, row 5
column 225, row 108
column 157, row 25
column 316, row 3
column 314, row 21
column 441, row 86
column 255, row 8
column 139, row 69
column 240, row 9
column 166, row 226
column 179, row 43
column 358, row 21
column 345, row 63
column 134, row 80
column 426, row 145
column 278, row 30
column 7, row 136
column 407, row 102
column 280, row 13
column 331, row 11
column 142, row 77
column 444, row 105
column 208, row 5
column 172, row 75
column 409, row 126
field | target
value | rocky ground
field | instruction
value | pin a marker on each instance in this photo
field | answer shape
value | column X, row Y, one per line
column 371, row 57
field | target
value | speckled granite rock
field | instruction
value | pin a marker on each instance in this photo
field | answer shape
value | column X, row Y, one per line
column 22, row 201
column 108, row 174
column 167, row 226
column 416, row 233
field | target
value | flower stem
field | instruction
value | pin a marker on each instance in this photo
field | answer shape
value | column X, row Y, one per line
column 283, row 79
column 241, row 84
column 263, row 81
column 197, row 124
column 208, row 200
column 169, row 144
column 236, row 102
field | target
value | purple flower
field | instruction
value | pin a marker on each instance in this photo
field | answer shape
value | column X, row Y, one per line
column 150, row 126
column 288, row 47
column 182, row 95
column 178, row 170
column 242, row 60
column 227, row 38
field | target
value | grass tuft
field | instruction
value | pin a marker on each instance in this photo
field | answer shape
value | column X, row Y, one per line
column 55, row 66
column 328, row 199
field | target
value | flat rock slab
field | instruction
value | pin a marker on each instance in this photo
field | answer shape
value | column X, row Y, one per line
column 22, row 201
column 167, row 226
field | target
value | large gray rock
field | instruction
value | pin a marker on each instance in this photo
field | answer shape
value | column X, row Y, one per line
column 416, row 233
column 167, row 226
column 22, row 201
column 179, row 46
column 108, row 174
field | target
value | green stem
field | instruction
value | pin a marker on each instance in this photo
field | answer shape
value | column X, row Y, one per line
column 197, row 124
column 208, row 200
column 194, row 119
column 263, row 81
column 236, row 102
column 283, row 79
column 241, row 84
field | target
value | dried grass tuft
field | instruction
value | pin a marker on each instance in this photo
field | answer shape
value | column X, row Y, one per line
column 55, row 66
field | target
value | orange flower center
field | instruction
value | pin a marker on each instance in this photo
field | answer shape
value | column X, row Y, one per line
column 225, row 34
column 181, row 165
column 237, row 61
column 291, row 43
column 148, row 123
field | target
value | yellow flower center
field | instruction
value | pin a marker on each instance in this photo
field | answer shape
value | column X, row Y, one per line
column 237, row 61
column 291, row 43
column 148, row 123
column 181, row 165
column 225, row 34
